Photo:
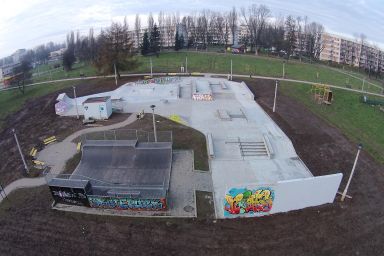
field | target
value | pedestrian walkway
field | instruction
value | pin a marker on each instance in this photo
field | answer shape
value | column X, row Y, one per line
column 57, row 154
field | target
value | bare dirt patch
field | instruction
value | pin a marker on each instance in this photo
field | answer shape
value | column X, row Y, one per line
column 37, row 120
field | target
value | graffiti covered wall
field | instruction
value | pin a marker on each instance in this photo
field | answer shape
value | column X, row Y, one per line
column 202, row 97
column 160, row 80
column 127, row 203
column 248, row 201
column 74, row 196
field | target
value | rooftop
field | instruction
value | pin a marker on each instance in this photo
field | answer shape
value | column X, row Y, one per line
column 97, row 99
column 139, row 169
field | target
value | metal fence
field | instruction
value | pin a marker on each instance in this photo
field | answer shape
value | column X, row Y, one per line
column 129, row 134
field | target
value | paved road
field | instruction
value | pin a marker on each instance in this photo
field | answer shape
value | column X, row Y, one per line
column 56, row 155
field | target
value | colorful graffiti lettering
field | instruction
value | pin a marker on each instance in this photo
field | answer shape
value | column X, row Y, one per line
column 69, row 196
column 66, row 194
column 245, row 201
column 127, row 203
column 160, row 80
column 61, row 107
column 202, row 97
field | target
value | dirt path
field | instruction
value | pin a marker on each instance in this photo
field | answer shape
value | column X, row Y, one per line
column 352, row 228
column 55, row 156
column 37, row 120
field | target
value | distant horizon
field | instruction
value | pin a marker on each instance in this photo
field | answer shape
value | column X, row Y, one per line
column 27, row 25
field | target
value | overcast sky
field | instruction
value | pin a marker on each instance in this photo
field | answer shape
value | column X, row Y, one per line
column 27, row 23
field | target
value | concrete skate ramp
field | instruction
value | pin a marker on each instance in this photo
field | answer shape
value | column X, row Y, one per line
column 141, row 165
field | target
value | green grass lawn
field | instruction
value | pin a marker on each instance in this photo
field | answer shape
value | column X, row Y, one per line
column 245, row 64
column 59, row 73
column 220, row 63
column 359, row 122
column 11, row 101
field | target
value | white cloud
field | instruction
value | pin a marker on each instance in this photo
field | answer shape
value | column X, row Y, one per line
column 27, row 23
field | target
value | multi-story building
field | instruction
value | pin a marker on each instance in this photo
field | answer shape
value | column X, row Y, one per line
column 351, row 52
column 7, row 70
column 168, row 33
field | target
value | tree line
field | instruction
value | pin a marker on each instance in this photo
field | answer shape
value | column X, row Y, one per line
column 254, row 27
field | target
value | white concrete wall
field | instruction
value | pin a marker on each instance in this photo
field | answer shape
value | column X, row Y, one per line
column 301, row 193
column 94, row 110
column 108, row 104
column 288, row 195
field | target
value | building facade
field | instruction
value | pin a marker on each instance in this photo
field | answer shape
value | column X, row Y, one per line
column 351, row 52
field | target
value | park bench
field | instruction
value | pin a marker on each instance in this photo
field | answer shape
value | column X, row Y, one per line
column 49, row 140
column 39, row 164
column 78, row 147
column 33, row 152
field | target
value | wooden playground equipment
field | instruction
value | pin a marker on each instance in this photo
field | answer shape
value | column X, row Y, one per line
column 322, row 94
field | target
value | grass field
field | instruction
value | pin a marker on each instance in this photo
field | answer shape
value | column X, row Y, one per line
column 220, row 63
column 54, row 74
column 359, row 122
column 263, row 66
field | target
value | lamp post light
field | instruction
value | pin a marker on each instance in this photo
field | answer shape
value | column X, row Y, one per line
column 21, row 152
column 114, row 66
column 150, row 60
column 154, row 122
column 186, row 64
column 359, row 147
column 74, row 94
column 274, row 101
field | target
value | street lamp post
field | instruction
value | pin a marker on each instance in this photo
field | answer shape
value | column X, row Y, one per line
column 154, row 122
column 114, row 66
column 186, row 64
column 74, row 94
column 150, row 59
column 21, row 152
column 360, row 146
column 231, row 69
column 274, row 101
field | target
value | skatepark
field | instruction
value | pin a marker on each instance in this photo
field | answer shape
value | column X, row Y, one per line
column 253, row 165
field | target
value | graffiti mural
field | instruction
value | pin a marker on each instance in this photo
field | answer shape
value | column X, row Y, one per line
column 160, row 80
column 202, row 97
column 61, row 107
column 74, row 196
column 127, row 203
column 246, row 201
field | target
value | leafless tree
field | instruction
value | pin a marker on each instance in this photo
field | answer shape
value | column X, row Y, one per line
column 168, row 29
column 202, row 28
column 219, row 27
column 137, row 29
column 226, row 29
column 255, row 19
column 315, row 46
column 150, row 23
column 161, row 22
column 114, row 49
column 232, row 20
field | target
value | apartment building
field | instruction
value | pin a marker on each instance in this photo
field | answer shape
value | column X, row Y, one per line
column 351, row 52
column 168, row 33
